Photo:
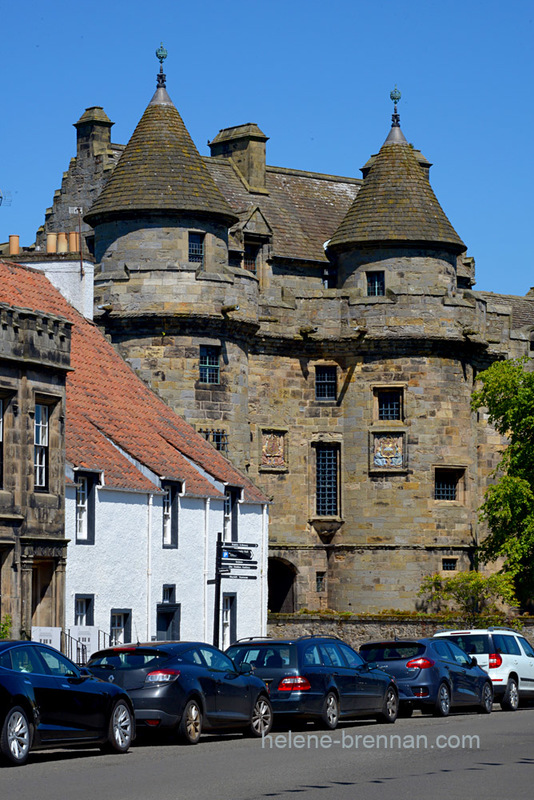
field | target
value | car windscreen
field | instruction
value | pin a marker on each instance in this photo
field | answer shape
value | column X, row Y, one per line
column 472, row 643
column 263, row 655
column 391, row 651
column 128, row 659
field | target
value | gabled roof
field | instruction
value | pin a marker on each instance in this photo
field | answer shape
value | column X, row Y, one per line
column 110, row 410
column 396, row 204
column 302, row 209
column 160, row 171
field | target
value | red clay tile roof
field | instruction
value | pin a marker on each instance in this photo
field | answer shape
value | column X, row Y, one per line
column 109, row 407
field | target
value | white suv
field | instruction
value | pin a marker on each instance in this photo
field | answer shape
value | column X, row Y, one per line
column 507, row 657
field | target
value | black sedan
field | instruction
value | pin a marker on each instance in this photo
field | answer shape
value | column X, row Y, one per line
column 431, row 676
column 47, row 701
column 318, row 678
column 186, row 687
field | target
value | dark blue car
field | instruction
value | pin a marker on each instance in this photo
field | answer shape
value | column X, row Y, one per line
column 186, row 688
column 318, row 678
column 431, row 674
column 47, row 701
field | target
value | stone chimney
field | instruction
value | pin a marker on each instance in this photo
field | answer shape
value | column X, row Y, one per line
column 244, row 145
column 93, row 132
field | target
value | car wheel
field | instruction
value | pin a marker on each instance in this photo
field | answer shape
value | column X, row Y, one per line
column 262, row 718
column 486, row 698
column 330, row 712
column 190, row 726
column 443, row 701
column 390, row 708
column 120, row 731
column 15, row 740
column 510, row 701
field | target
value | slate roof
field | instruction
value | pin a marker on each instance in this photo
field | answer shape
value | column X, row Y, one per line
column 160, row 170
column 522, row 307
column 111, row 412
column 396, row 204
column 303, row 209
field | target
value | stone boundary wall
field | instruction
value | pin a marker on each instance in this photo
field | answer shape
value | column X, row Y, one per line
column 356, row 630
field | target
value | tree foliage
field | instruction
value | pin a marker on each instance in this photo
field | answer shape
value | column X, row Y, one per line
column 468, row 594
column 507, row 392
column 5, row 627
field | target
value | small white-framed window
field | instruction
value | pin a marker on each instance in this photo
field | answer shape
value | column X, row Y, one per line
column 81, row 508
column 170, row 515
column 40, row 440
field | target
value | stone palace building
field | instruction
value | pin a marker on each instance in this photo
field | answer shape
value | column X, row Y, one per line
column 322, row 331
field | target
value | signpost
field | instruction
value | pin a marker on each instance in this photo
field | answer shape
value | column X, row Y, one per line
column 230, row 556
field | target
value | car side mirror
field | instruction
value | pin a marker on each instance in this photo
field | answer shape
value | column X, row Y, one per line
column 85, row 673
column 245, row 668
column 474, row 662
column 365, row 667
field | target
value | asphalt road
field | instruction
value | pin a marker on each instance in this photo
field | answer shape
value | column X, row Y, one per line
column 465, row 756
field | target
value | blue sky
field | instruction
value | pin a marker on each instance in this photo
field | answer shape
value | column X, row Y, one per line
column 314, row 75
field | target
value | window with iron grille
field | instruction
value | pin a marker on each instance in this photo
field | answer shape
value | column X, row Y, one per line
column 449, row 564
column 196, row 248
column 376, row 284
column 327, row 471
column 209, row 364
column 40, row 441
column 447, row 484
column 325, row 383
column 218, row 438
column 250, row 257
column 389, row 404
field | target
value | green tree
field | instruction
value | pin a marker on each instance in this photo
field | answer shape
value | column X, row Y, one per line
column 5, row 627
column 468, row 594
column 507, row 393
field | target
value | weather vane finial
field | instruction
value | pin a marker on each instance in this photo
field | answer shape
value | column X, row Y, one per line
column 395, row 95
column 161, row 55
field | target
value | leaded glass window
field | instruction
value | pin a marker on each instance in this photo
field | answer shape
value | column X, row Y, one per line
column 327, row 466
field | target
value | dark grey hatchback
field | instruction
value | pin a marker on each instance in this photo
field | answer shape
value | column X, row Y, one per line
column 318, row 678
column 186, row 687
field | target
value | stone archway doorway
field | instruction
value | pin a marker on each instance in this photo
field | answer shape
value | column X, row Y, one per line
column 281, row 578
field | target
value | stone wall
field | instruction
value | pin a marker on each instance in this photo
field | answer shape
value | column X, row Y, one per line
column 358, row 630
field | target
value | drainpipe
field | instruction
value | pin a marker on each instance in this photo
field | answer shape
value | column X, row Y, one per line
column 263, row 574
column 149, row 564
column 206, row 565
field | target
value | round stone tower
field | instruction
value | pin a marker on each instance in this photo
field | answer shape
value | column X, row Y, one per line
column 163, row 288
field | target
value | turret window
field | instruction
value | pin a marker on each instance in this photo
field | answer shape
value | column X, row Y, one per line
column 196, row 248
column 209, row 364
column 250, row 257
column 376, row 284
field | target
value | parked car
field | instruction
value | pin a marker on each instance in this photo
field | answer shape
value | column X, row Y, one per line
column 47, row 701
column 318, row 678
column 506, row 656
column 186, row 687
column 432, row 675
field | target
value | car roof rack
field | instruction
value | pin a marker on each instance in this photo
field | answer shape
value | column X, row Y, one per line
column 316, row 636
column 501, row 628
column 251, row 639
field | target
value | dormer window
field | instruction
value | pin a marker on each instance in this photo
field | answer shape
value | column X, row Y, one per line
column 250, row 257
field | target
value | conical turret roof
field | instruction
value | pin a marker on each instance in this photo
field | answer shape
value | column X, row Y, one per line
column 160, row 171
column 396, row 203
